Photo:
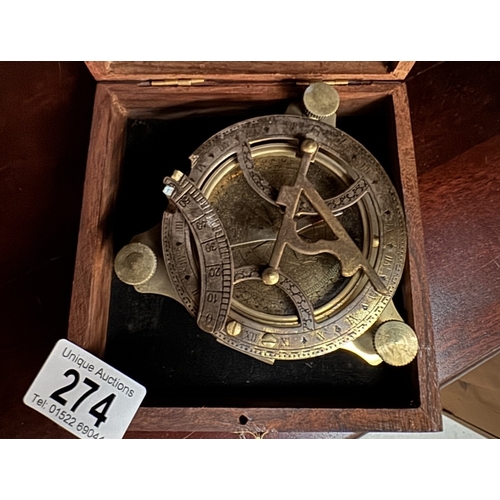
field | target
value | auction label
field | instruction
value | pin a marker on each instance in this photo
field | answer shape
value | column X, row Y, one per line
column 83, row 394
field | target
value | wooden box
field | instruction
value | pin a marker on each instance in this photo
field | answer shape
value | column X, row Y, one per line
column 371, row 93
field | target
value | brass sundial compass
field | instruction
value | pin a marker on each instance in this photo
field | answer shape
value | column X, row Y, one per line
column 285, row 241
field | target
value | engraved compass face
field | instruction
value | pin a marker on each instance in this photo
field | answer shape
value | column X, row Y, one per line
column 286, row 240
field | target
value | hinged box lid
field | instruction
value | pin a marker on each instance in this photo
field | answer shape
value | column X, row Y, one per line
column 249, row 71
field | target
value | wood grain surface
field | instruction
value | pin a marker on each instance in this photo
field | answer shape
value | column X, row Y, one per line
column 45, row 117
column 454, row 106
column 242, row 434
column 455, row 113
column 165, row 102
column 248, row 71
column 94, row 259
column 281, row 420
column 415, row 285
column 460, row 205
column 45, row 120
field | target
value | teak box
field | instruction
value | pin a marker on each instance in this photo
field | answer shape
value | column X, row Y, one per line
column 370, row 92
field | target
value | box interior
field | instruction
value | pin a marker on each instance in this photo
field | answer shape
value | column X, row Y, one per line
column 154, row 339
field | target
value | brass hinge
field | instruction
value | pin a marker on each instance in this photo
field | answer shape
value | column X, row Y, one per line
column 171, row 83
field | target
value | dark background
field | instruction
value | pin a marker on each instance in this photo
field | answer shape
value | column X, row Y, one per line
column 45, row 118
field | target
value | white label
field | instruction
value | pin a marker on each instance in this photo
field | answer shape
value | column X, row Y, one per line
column 83, row 394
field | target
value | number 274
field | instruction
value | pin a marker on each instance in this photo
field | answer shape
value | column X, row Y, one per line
column 95, row 411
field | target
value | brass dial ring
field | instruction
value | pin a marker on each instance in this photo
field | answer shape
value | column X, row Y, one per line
column 354, row 309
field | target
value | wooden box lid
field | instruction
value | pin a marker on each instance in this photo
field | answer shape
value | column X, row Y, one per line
column 248, row 71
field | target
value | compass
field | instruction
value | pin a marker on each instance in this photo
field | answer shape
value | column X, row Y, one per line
column 286, row 240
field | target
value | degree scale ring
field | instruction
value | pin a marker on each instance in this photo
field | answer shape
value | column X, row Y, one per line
column 213, row 252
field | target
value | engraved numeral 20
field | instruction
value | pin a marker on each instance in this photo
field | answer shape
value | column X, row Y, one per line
column 214, row 271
